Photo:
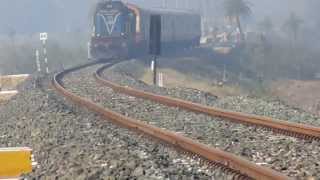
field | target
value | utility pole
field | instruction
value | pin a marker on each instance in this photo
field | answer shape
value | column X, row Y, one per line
column 164, row 3
column 203, row 16
column 204, row 11
column 0, row 81
column 187, row 4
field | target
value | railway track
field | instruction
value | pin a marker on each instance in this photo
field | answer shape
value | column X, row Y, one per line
column 278, row 126
column 242, row 169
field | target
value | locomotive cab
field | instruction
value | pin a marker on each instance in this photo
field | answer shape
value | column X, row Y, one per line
column 114, row 27
column 123, row 30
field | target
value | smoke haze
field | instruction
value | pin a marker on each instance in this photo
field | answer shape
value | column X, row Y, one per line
column 31, row 16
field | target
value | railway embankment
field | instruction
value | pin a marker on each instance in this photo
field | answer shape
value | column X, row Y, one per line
column 265, row 106
column 63, row 135
column 252, row 105
column 71, row 143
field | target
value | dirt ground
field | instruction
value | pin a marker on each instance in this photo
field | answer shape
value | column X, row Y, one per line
column 301, row 94
column 8, row 86
column 10, row 82
column 6, row 95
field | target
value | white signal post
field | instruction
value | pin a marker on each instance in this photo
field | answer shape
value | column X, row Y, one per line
column 38, row 61
column 44, row 38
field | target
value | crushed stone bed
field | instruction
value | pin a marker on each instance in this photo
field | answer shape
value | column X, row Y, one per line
column 273, row 108
column 72, row 143
column 294, row 157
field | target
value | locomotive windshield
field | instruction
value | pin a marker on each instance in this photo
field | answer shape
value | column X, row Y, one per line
column 113, row 19
column 108, row 24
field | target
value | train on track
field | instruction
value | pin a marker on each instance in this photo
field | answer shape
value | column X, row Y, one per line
column 122, row 29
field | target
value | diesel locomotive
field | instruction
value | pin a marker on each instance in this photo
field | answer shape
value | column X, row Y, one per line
column 122, row 29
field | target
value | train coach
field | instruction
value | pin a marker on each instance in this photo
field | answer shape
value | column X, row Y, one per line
column 122, row 30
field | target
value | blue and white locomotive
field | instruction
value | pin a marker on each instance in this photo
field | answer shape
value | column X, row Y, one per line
column 122, row 29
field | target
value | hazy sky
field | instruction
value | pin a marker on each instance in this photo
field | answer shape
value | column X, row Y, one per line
column 260, row 8
column 29, row 16
column 278, row 9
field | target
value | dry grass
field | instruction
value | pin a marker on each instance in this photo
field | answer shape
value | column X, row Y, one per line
column 173, row 78
column 5, row 96
column 301, row 94
column 8, row 85
column 12, row 81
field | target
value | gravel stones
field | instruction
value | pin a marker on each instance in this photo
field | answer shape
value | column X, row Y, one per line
column 72, row 143
column 125, row 79
column 266, row 107
column 270, row 108
column 260, row 146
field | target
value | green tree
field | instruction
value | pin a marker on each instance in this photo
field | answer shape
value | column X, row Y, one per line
column 292, row 25
column 237, row 9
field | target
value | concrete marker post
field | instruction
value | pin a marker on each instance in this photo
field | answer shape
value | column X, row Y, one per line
column 89, row 50
column 160, row 80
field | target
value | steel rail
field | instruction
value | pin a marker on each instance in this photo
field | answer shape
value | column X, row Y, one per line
column 243, row 169
column 279, row 126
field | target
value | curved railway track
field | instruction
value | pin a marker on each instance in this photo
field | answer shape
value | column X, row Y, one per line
column 242, row 169
column 279, row 126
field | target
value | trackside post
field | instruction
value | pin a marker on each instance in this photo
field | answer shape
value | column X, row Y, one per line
column 155, row 42
column 44, row 38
